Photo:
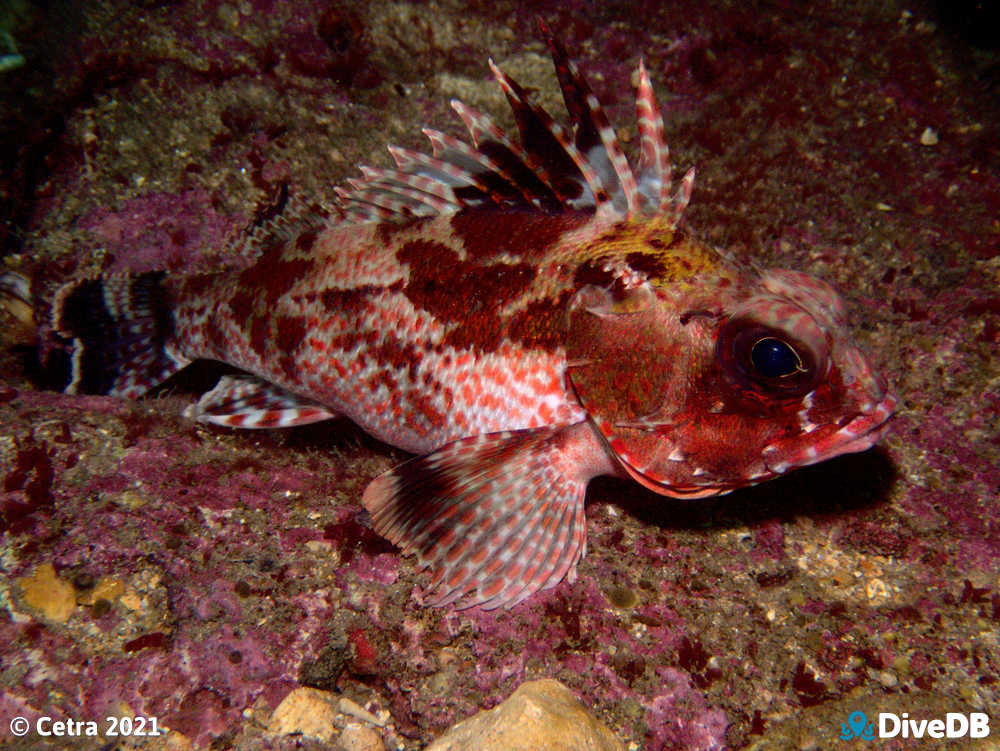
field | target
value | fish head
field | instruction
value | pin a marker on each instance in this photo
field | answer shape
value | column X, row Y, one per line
column 699, row 388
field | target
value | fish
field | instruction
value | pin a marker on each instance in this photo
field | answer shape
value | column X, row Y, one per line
column 522, row 314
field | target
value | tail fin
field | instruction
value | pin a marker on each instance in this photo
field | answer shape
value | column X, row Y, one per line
column 120, row 331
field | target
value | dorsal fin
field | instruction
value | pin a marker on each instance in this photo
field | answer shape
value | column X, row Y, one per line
column 594, row 136
column 552, row 169
column 515, row 164
column 654, row 154
column 549, row 145
column 279, row 220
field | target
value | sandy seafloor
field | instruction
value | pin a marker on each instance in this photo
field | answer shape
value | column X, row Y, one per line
column 216, row 571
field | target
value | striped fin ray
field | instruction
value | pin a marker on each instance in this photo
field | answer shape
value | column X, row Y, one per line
column 479, row 188
column 398, row 191
column 424, row 171
column 380, row 201
column 119, row 332
column 553, row 169
column 250, row 402
column 654, row 154
column 279, row 220
column 516, row 165
column 655, row 174
column 550, row 145
column 594, row 136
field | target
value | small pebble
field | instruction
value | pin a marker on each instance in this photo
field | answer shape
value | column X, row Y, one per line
column 352, row 708
column 357, row 737
column 887, row 678
column 305, row 711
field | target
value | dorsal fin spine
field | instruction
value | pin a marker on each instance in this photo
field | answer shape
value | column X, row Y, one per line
column 683, row 195
column 654, row 155
column 522, row 106
column 482, row 128
column 588, row 115
column 442, row 144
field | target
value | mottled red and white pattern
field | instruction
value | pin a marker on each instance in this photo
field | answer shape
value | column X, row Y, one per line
column 354, row 331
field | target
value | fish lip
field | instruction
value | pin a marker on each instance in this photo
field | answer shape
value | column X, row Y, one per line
column 872, row 425
column 860, row 434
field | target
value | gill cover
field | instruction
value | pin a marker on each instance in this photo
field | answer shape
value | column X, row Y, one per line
column 626, row 360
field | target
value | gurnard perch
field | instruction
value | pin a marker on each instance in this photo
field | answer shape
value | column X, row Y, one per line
column 524, row 317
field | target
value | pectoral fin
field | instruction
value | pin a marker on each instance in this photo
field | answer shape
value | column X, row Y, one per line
column 496, row 517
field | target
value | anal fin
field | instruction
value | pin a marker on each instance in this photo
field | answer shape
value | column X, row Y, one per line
column 496, row 517
column 251, row 402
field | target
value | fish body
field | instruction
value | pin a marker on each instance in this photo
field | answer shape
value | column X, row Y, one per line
column 523, row 317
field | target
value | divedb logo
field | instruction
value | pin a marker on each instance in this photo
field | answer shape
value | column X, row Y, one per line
column 891, row 725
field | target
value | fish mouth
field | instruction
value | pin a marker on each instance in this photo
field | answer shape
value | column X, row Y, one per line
column 860, row 434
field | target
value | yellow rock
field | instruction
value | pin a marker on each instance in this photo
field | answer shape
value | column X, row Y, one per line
column 132, row 601
column 45, row 592
column 540, row 716
column 305, row 711
column 106, row 589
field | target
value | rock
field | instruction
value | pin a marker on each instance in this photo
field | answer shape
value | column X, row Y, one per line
column 358, row 737
column 352, row 708
column 541, row 715
column 305, row 711
column 106, row 588
column 45, row 592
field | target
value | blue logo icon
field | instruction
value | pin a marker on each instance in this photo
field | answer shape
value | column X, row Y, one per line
column 857, row 726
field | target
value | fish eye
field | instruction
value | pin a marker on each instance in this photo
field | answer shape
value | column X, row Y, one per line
column 766, row 361
column 775, row 358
